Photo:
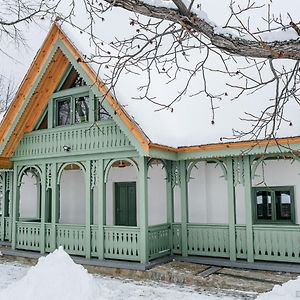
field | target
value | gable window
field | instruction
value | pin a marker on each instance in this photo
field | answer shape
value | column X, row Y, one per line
column 72, row 110
column 274, row 204
column 63, row 112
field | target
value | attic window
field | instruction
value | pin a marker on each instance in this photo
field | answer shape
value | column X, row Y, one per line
column 72, row 80
column 72, row 110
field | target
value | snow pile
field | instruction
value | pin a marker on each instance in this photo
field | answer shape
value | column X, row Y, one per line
column 56, row 277
column 288, row 291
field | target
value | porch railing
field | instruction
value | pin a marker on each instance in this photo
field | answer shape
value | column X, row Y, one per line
column 94, row 240
column 274, row 242
column 28, row 236
column 122, row 242
column 85, row 138
column 176, row 238
column 208, row 240
column 241, row 241
column 71, row 237
column 159, row 240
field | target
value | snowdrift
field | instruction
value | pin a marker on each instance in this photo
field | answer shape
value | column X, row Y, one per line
column 56, row 277
column 288, row 291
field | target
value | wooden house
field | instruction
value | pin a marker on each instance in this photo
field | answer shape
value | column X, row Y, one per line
column 79, row 172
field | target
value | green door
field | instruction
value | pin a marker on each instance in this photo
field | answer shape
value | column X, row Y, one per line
column 125, row 203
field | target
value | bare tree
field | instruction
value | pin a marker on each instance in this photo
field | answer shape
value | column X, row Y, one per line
column 177, row 37
column 7, row 93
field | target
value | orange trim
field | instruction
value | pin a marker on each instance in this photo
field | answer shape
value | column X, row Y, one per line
column 5, row 163
column 230, row 145
column 28, row 81
column 45, row 88
column 38, row 102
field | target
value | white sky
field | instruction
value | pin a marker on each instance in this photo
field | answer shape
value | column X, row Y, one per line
column 190, row 123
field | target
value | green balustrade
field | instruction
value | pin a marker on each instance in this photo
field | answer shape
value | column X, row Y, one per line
column 176, row 231
column 7, row 229
column 71, row 237
column 28, row 236
column 94, row 240
column 81, row 139
column 208, row 240
column 275, row 242
column 48, row 232
column 122, row 242
column 159, row 240
column 241, row 241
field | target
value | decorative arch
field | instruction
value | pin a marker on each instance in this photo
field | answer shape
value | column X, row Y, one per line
column 62, row 167
column 257, row 162
column 163, row 163
column 109, row 165
column 37, row 172
column 217, row 161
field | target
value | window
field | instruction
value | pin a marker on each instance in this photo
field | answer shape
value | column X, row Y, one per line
column 63, row 112
column 274, row 204
column 72, row 110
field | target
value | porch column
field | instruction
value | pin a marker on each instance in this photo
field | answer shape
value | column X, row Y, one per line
column 10, row 203
column 54, row 200
column 231, row 209
column 248, row 206
column 4, row 196
column 101, row 208
column 15, row 216
column 43, row 208
column 184, row 207
column 88, row 209
column 170, row 206
column 143, row 197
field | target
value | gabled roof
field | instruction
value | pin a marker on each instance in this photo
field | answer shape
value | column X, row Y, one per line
column 39, row 83
column 42, row 78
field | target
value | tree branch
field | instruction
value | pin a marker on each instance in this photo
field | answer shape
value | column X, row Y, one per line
column 228, row 43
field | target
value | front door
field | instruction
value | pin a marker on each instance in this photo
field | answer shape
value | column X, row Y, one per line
column 125, row 203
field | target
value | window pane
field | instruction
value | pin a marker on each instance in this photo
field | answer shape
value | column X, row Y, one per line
column 283, row 205
column 63, row 112
column 82, row 109
column 263, row 205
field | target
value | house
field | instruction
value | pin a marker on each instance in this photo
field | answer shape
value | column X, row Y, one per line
column 79, row 171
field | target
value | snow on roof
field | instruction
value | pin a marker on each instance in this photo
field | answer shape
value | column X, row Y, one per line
column 190, row 121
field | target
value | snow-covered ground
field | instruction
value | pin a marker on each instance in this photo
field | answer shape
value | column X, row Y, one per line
column 57, row 277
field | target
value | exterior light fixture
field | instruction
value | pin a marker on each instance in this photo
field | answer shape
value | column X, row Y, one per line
column 66, row 148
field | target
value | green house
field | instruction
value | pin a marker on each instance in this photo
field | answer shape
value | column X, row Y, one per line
column 78, row 170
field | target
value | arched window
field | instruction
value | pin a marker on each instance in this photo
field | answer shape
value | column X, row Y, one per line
column 30, row 195
column 72, row 194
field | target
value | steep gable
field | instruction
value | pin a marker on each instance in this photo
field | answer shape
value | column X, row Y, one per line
column 40, row 82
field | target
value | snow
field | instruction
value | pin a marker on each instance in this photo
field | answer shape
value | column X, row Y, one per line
column 288, row 291
column 189, row 121
column 57, row 277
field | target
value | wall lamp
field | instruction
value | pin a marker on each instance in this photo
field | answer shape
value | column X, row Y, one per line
column 66, row 148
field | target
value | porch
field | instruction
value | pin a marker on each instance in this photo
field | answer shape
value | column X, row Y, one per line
column 171, row 198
